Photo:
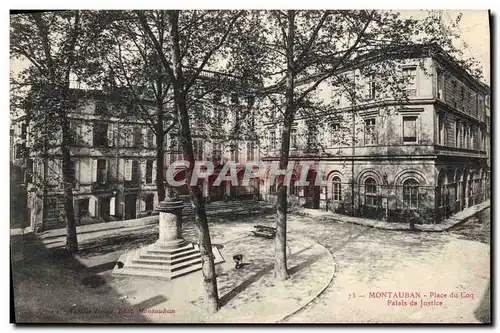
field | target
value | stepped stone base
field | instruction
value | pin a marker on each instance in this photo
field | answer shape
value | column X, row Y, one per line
column 168, row 260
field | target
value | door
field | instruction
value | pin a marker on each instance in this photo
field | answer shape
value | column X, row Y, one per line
column 104, row 208
column 130, row 206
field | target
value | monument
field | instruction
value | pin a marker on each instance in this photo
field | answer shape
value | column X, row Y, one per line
column 170, row 256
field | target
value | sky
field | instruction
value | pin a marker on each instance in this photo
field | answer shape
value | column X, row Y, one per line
column 475, row 32
column 474, row 27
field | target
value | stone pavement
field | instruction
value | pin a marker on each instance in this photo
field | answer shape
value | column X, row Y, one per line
column 443, row 226
column 370, row 260
column 248, row 295
column 367, row 260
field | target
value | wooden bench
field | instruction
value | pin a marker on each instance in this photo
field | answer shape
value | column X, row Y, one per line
column 263, row 231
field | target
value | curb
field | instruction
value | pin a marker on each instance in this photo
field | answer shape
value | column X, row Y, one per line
column 381, row 227
column 319, row 293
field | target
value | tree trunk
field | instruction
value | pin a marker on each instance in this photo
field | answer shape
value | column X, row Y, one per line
column 207, row 258
column 210, row 296
column 68, row 178
column 280, row 266
column 160, row 155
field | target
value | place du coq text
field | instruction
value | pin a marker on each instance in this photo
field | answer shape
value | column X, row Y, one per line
column 419, row 299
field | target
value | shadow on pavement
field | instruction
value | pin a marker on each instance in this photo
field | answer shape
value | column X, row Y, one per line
column 247, row 283
column 52, row 286
column 483, row 311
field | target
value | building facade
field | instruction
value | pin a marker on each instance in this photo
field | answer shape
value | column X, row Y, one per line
column 114, row 158
column 426, row 157
column 113, row 164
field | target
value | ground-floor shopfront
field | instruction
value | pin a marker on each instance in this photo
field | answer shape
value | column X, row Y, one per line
column 424, row 190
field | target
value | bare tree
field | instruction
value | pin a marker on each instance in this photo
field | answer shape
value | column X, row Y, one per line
column 196, row 40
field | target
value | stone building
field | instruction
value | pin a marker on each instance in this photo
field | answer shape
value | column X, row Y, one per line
column 113, row 166
column 226, row 132
column 426, row 156
column 114, row 158
column 19, row 178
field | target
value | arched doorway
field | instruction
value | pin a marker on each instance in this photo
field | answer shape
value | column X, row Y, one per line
column 463, row 192
column 312, row 192
column 442, row 196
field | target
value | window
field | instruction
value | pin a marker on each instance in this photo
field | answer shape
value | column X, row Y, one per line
column 101, row 171
column 138, row 137
column 468, row 99
column 335, row 134
column 76, row 133
column 462, row 98
column 440, row 85
column 198, row 149
column 128, row 136
column 216, row 152
column 294, row 189
column 441, row 129
column 234, row 98
column 312, row 136
column 52, row 208
column 293, row 138
column 467, row 137
column 410, row 193
column 250, row 151
column 272, row 139
column 175, row 149
column 370, row 87
column 136, row 171
column 458, row 135
column 149, row 202
column 72, row 171
column 23, row 131
column 250, row 100
column 337, row 189
column 272, row 188
column 150, row 138
column 410, row 129
column 101, row 107
column 410, row 79
column 370, row 132
column 370, row 192
column 473, row 138
column 29, row 171
column 100, row 134
column 149, row 171
column 234, row 152
column 18, row 151
column 454, row 93
column 217, row 96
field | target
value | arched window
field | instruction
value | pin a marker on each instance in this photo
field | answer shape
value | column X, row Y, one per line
column 410, row 193
column 370, row 192
column 337, row 189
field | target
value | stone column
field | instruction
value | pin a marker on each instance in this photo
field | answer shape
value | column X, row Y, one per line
column 170, row 234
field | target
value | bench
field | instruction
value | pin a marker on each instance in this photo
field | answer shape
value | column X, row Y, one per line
column 263, row 231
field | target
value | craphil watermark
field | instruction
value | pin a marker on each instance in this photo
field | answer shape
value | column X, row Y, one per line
column 296, row 174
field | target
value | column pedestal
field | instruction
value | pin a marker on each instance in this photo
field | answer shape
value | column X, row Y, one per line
column 170, row 256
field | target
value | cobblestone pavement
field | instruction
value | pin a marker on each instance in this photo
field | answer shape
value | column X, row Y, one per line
column 454, row 263
column 368, row 261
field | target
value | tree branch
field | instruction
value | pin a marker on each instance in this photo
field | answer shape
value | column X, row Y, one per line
column 209, row 54
column 312, row 39
column 341, row 60
column 157, row 46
